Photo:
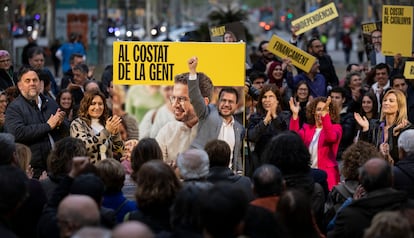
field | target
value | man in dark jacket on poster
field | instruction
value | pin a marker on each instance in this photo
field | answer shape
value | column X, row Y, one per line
column 34, row 119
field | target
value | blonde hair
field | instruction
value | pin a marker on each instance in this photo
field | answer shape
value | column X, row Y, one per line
column 24, row 156
column 402, row 106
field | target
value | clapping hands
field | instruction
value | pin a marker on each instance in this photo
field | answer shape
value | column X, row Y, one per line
column 112, row 124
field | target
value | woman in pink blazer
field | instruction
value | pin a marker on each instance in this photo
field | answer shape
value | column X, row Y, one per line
column 321, row 134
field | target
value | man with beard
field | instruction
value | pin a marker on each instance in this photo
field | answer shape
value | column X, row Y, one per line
column 265, row 59
column 35, row 120
column 176, row 136
column 376, row 56
column 326, row 67
column 216, row 121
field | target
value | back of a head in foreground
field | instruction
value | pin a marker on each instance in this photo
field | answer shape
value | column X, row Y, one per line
column 112, row 175
column 267, row 181
column 223, row 208
column 7, row 148
column 287, row 152
column 219, row 153
column 60, row 158
column 13, row 188
column 375, row 174
column 295, row 214
column 89, row 184
column 132, row 229
column 355, row 156
column 157, row 185
column 406, row 142
column 92, row 232
column 185, row 211
column 389, row 224
column 147, row 149
column 72, row 216
column 193, row 164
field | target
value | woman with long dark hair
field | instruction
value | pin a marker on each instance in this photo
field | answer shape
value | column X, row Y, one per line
column 268, row 121
column 99, row 132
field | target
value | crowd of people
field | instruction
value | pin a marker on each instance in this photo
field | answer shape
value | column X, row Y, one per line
column 310, row 155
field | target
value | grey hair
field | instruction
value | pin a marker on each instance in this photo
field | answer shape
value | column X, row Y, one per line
column 406, row 142
column 193, row 164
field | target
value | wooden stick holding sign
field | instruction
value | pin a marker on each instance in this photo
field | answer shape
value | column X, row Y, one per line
column 316, row 18
column 284, row 49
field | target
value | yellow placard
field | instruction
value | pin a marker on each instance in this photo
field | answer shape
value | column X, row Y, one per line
column 367, row 28
column 316, row 18
column 284, row 49
column 409, row 70
column 217, row 31
column 156, row 63
column 397, row 30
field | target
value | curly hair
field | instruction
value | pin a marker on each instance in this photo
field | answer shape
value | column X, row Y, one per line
column 157, row 185
column 86, row 103
column 269, row 87
column 59, row 161
column 355, row 156
column 287, row 152
column 311, row 109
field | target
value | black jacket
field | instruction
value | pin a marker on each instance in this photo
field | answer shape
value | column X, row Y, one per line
column 352, row 220
column 224, row 174
column 348, row 125
column 5, row 79
column 29, row 126
column 404, row 175
column 374, row 136
column 327, row 68
column 261, row 134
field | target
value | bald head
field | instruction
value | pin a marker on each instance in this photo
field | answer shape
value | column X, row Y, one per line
column 375, row 174
column 92, row 232
column 193, row 164
column 132, row 229
column 72, row 216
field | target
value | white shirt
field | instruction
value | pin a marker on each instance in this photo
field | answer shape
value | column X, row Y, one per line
column 313, row 148
column 378, row 92
column 227, row 134
column 175, row 137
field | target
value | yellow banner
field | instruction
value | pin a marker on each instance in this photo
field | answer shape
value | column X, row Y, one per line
column 316, row 18
column 284, row 49
column 397, row 30
column 409, row 70
column 156, row 63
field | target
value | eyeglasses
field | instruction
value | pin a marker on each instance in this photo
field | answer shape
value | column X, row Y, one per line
column 181, row 100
